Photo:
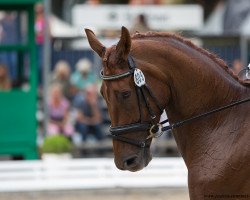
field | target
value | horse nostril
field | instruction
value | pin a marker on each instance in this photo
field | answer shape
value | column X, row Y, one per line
column 130, row 162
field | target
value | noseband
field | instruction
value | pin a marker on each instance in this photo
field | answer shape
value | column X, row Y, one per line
column 143, row 93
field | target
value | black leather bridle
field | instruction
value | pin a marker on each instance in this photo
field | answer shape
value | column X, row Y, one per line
column 154, row 128
column 143, row 94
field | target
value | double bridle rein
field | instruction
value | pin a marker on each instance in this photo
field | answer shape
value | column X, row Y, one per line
column 154, row 128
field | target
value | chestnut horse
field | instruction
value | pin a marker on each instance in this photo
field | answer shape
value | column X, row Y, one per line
column 173, row 74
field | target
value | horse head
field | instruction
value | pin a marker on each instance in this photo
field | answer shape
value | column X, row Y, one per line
column 133, row 106
column 147, row 73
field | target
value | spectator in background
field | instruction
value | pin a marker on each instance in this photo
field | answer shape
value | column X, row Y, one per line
column 10, row 35
column 59, row 112
column 89, row 118
column 5, row 82
column 236, row 12
column 237, row 66
column 40, row 33
column 83, row 75
column 61, row 75
column 140, row 25
column 81, row 78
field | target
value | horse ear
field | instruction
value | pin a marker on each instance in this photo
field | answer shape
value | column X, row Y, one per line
column 95, row 44
column 123, row 46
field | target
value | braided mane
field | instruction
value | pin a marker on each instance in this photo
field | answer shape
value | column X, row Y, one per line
column 215, row 58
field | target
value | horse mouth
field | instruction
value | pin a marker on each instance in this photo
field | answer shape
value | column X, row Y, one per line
column 140, row 166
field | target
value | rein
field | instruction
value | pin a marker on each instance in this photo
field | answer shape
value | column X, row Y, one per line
column 201, row 116
column 155, row 129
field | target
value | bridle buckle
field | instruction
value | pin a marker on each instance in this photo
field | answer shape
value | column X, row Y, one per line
column 155, row 131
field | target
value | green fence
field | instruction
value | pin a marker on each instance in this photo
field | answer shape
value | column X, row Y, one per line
column 18, row 105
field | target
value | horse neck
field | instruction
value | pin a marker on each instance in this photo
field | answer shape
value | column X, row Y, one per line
column 197, row 84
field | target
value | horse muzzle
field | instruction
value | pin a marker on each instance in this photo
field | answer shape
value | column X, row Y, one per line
column 134, row 162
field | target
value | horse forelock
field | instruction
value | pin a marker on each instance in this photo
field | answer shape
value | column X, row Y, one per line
column 177, row 37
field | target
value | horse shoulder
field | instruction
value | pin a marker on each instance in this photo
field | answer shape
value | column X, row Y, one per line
column 223, row 167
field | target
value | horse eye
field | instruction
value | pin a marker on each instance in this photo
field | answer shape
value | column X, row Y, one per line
column 126, row 94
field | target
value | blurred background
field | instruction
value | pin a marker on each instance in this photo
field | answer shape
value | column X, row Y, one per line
column 53, row 121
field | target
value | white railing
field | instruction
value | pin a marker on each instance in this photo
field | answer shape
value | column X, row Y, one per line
column 88, row 174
